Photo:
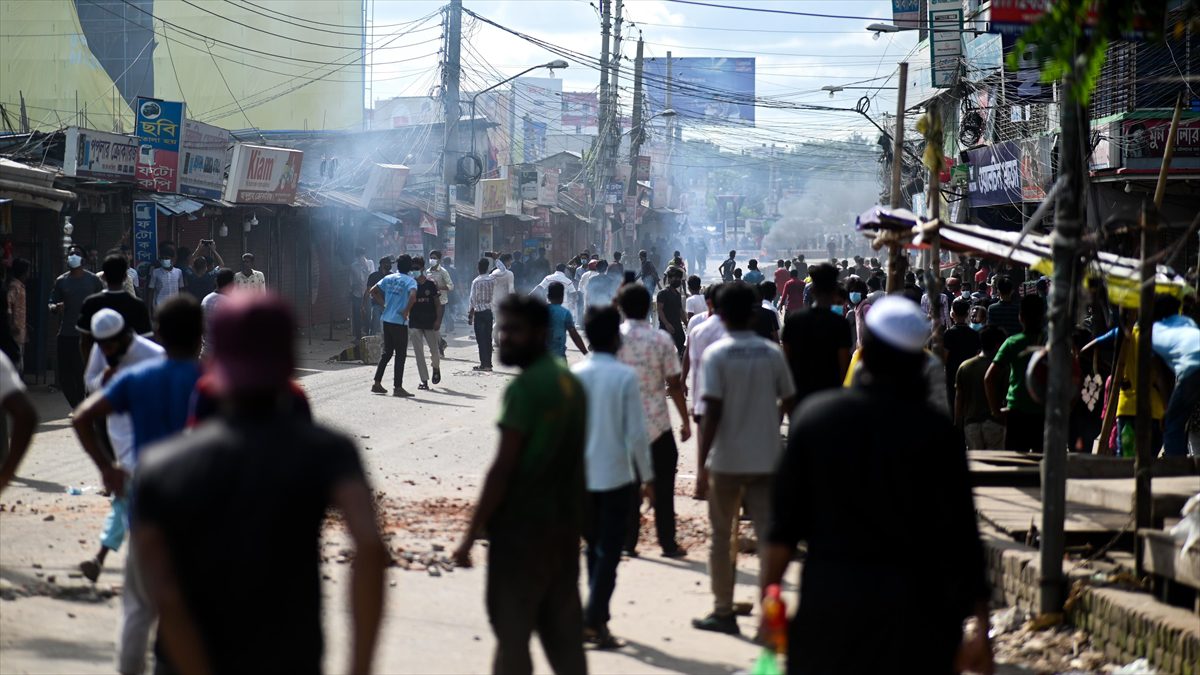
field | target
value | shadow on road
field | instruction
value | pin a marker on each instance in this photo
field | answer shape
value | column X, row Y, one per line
column 40, row 485
column 659, row 659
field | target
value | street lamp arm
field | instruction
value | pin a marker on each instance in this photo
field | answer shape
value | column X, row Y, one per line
column 551, row 65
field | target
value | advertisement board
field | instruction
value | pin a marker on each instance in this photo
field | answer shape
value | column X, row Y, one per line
column 527, row 182
column 580, row 111
column 643, row 168
column 1146, row 140
column 263, row 175
column 713, row 89
column 490, row 195
column 384, row 186
column 96, row 154
column 145, row 232
column 995, row 177
column 547, row 193
column 540, row 99
column 1036, row 172
column 946, row 21
column 206, row 151
column 159, row 130
column 906, row 13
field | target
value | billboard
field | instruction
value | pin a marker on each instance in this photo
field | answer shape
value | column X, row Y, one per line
column 385, row 184
column 702, row 88
column 262, row 175
column 995, row 177
column 205, row 159
column 1146, row 142
column 580, row 111
column 906, row 13
column 145, row 232
column 547, row 192
column 540, row 99
column 96, row 154
column 491, row 195
column 159, row 128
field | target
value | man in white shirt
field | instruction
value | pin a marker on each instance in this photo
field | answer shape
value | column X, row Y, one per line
column 616, row 441
column 560, row 275
column 213, row 300
column 248, row 278
column 360, row 268
column 117, row 348
column 695, row 303
column 445, row 284
column 16, row 403
column 505, row 284
column 746, row 388
column 166, row 280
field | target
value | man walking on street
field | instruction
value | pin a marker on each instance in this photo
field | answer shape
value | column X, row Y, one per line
column 248, row 278
column 132, row 310
column 480, row 314
column 395, row 293
column 971, row 412
column 562, row 324
column 505, row 284
column 728, row 266
column 445, row 284
column 532, row 502
column 650, row 352
column 816, row 340
column 1023, row 417
column 166, row 280
column 670, row 309
column 67, row 296
column 616, row 442
column 424, row 323
column 156, row 395
column 360, row 269
column 746, row 390
column 249, row 491
column 753, row 276
column 1006, row 312
column 370, row 310
column 212, row 301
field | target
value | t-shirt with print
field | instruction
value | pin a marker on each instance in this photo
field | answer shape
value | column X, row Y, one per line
column 651, row 352
column 749, row 376
column 425, row 306
column 556, row 337
column 1014, row 357
column 395, row 288
column 71, row 291
column 157, row 396
column 547, row 406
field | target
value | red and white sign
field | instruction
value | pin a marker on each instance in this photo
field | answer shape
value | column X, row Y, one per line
column 263, row 175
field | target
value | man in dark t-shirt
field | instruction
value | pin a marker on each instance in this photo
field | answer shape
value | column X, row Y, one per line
column 114, row 297
column 248, row 492
column 960, row 342
column 424, row 324
column 670, row 308
column 384, row 269
column 816, row 340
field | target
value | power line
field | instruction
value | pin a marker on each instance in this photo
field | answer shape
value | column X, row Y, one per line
column 783, row 11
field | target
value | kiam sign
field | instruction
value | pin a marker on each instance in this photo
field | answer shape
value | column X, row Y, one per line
column 263, row 175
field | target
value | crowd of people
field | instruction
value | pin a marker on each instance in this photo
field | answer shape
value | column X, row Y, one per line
column 186, row 407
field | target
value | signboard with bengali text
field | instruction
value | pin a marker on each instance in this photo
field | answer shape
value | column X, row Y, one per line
column 995, row 177
column 145, row 232
column 98, row 154
column 259, row 174
column 159, row 130
column 205, row 159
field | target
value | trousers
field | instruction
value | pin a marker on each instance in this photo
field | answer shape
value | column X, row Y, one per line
column 69, row 374
column 533, row 585
column 1180, row 408
column 483, row 336
column 726, row 493
column 985, row 435
column 395, row 341
column 420, row 338
column 137, row 619
column 608, row 519
column 115, row 524
column 664, row 456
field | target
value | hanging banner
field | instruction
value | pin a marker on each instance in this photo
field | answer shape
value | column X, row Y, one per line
column 145, row 232
column 527, row 180
column 159, row 129
column 96, row 154
column 1025, row 84
column 262, row 175
column 428, row 224
column 643, row 168
column 547, row 192
column 206, row 153
column 995, row 177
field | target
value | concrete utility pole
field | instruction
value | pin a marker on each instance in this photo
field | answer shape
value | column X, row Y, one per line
column 636, row 136
column 600, row 145
column 1068, row 227
column 452, row 71
column 895, row 251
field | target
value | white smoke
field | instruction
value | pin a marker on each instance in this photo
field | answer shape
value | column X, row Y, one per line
column 826, row 206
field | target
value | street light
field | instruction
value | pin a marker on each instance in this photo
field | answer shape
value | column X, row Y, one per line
column 669, row 112
column 881, row 28
column 835, row 88
column 557, row 64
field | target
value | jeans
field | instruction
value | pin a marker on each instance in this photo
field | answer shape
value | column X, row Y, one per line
column 483, row 337
column 421, row 337
column 69, row 374
column 1024, row 432
column 533, row 584
column 138, row 616
column 985, row 435
column 1183, row 403
column 608, row 519
column 726, row 492
column 395, row 341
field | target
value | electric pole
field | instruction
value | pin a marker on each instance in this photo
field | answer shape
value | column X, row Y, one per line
column 1068, row 228
column 636, row 136
column 614, row 112
column 451, row 72
column 600, row 144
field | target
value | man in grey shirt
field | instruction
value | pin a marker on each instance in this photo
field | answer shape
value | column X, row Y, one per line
column 66, row 299
column 747, row 387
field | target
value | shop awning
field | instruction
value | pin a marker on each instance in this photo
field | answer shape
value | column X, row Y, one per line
column 31, row 186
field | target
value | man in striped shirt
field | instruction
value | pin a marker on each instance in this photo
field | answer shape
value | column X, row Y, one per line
column 480, row 314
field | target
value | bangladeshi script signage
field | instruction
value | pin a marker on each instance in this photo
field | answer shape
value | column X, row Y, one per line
column 206, row 152
column 259, row 174
column 96, row 154
column 159, row 131
column 995, row 177
column 1147, row 139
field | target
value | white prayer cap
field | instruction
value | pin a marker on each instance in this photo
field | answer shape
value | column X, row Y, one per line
column 899, row 322
column 107, row 324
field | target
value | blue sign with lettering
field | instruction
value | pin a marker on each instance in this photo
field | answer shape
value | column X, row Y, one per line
column 145, row 232
column 995, row 175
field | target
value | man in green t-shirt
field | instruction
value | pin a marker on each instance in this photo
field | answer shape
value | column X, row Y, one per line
column 532, row 501
column 1024, row 418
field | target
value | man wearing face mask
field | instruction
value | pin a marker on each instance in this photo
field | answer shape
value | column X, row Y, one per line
column 445, row 284
column 66, row 300
column 670, row 309
column 166, row 280
column 816, row 340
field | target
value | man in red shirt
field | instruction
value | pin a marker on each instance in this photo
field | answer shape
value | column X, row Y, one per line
column 782, row 274
column 793, row 293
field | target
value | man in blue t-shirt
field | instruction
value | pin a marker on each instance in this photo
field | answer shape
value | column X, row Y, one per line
column 561, row 323
column 395, row 293
column 156, row 396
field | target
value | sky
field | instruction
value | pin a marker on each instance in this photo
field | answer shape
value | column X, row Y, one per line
column 796, row 55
